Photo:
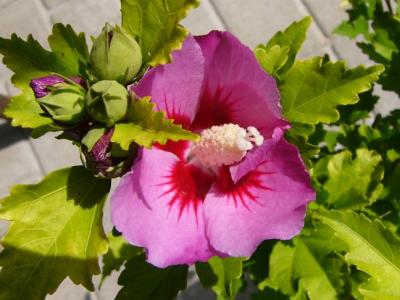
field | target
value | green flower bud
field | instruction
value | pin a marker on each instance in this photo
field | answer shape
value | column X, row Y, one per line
column 115, row 55
column 107, row 101
column 65, row 103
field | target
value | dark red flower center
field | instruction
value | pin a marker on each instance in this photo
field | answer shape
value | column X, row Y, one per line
column 188, row 185
column 243, row 190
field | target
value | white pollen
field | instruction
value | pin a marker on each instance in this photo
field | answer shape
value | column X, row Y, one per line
column 225, row 144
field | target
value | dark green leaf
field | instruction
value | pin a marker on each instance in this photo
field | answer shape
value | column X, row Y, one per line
column 143, row 281
column 119, row 251
column 69, row 47
column 222, row 275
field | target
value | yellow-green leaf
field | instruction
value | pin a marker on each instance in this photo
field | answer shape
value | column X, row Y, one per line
column 147, row 127
column 55, row 231
column 154, row 24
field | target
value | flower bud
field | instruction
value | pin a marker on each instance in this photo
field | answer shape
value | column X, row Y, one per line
column 41, row 86
column 101, row 160
column 115, row 55
column 64, row 103
column 107, row 101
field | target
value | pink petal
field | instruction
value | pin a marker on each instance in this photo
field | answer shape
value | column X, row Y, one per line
column 175, row 87
column 256, row 156
column 159, row 206
column 268, row 203
column 236, row 89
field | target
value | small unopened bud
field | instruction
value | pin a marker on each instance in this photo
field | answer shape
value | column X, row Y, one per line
column 101, row 160
column 115, row 55
column 107, row 101
column 64, row 103
column 41, row 86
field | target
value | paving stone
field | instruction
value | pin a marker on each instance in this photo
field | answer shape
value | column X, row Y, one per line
column 52, row 4
column 5, row 74
column 203, row 19
column 17, row 160
column 3, row 89
column 348, row 51
column 88, row 16
column 261, row 19
column 55, row 154
column 5, row 3
column 328, row 16
column 69, row 291
column 25, row 17
column 110, row 287
column 388, row 101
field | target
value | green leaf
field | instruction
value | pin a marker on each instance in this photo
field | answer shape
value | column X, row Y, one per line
column 307, row 150
column 154, row 24
column 279, row 54
column 143, row 281
column 354, row 28
column 92, row 136
column 312, row 276
column 272, row 59
column 281, row 269
column 28, row 60
column 56, row 231
column 222, row 275
column 26, row 112
column 311, row 90
column 119, row 251
column 269, row 294
column 372, row 249
column 354, row 183
column 147, row 127
column 361, row 110
column 311, row 262
column 69, row 47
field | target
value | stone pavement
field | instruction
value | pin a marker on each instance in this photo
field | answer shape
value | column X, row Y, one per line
column 24, row 160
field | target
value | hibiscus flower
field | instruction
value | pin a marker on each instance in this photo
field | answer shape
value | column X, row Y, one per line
column 241, row 184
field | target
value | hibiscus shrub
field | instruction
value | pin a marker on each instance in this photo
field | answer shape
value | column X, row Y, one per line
column 254, row 167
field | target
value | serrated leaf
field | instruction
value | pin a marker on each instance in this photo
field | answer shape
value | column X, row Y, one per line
column 353, row 28
column 353, row 183
column 279, row 54
column 272, row 59
column 119, row 251
column 26, row 112
column 372, row 249
column 28, row 60
column 147, row 127
column 154, row 24
column 222, row 275
column 69, row 47
column 56, row 231
column 143, row 281
column 312, row 89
